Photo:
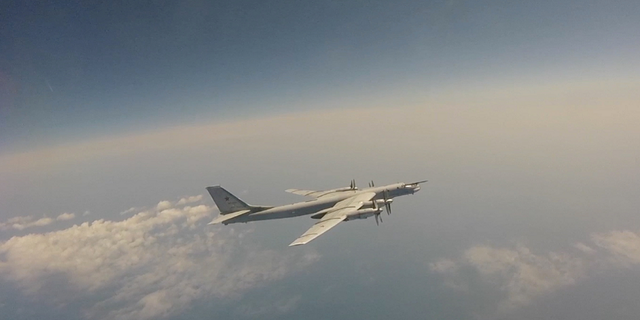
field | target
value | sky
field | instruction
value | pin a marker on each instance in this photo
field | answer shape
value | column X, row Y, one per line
column 524, row 117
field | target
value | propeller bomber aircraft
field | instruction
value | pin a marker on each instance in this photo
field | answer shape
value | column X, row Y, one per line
column 330, row 207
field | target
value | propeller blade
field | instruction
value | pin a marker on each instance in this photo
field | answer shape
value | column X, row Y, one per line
column 377, row 212
column 372, row 184
column 387, row 205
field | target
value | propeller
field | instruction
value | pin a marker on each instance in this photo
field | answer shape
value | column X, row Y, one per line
column 353, row 185
column 387, row 203
column 377, row 214
column 371, row 184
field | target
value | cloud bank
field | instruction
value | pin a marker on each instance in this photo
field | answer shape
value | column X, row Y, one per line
column 522, row 275
column 151, row 265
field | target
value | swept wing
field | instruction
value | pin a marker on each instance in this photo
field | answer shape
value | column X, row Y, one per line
column 320, row 194
column 338, row 213
column 308, row 193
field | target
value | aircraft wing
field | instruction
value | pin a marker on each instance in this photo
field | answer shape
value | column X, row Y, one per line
column 338, row 213
column 226, row 217
column 300, row 192
column 318, row 194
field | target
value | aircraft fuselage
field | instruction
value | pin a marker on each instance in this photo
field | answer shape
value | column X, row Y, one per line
column 323, row 203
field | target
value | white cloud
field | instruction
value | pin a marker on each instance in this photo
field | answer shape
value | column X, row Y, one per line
column 164, row 205
column 20, row 220
column 66, row 216
column 42, row 222
column 130, row 210
column 519, row 273
column 25, row 222
column 21, row 223
column 584, row 248
column 191, row 199
column 153, row 263
column 623, row 245
column 524, row 276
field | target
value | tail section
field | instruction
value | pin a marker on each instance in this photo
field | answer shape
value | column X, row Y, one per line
column 226, row 202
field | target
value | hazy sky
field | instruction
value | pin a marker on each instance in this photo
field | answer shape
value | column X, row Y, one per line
column 78, row 69
column 524, row 118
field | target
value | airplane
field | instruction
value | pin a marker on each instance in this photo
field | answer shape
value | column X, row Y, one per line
column 330, row 207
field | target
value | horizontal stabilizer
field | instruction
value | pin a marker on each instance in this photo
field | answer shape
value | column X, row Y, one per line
column 229, row 216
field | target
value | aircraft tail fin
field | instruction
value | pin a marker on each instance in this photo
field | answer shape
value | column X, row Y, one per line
column 225, row 201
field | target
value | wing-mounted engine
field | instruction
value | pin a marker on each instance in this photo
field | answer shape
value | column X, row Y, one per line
column 376, row 203
column 363, row 213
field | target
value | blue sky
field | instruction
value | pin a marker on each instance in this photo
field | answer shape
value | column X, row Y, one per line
column 115, row 116
column 71, row 70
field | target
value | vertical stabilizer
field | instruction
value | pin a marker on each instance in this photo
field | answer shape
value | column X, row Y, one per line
column 226, row 202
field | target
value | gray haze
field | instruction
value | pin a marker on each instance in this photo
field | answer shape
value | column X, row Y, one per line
column 530, row 212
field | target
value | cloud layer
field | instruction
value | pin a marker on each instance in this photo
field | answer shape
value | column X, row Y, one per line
column 522, row 275
column 153, row 264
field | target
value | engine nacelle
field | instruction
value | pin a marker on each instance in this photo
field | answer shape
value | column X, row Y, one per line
column 378, row 203
column 363, row 214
